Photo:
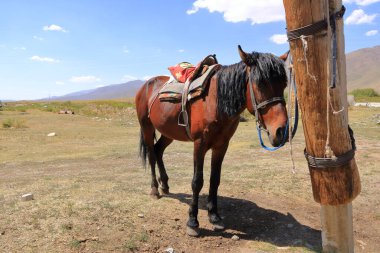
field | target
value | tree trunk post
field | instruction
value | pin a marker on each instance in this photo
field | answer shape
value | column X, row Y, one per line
column 334, row 188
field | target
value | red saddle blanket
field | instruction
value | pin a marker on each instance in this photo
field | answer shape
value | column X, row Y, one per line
column 182, row 71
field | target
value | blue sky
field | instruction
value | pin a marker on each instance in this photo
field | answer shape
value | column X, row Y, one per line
column 50, row 48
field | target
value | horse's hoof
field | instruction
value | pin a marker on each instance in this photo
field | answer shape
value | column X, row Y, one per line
column 164, row 191
column 193, row 231
column 154, row 193
column 218, row 226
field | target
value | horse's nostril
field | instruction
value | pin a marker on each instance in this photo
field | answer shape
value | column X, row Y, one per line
column 280, row 133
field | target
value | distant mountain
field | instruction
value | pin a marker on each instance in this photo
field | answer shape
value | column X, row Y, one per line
column 363, row 69
column 113, row 91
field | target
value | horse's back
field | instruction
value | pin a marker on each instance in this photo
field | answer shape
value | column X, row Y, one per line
column 144, row 94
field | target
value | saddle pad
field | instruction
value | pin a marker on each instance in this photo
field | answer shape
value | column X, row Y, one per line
column 177, row 87
column 172, row 87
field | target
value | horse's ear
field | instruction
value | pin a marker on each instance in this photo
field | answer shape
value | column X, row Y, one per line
column 284, row 56
column 243, row 55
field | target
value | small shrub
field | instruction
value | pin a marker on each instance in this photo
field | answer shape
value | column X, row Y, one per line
column 8, row 123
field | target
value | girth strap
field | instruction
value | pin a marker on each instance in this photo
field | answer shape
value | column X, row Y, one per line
column 183, row 117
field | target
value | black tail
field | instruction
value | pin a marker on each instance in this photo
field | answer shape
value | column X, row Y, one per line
column 143, row 149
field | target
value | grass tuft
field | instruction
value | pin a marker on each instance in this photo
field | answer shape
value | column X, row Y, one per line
column 75, row 243
column 130, row 245
column 14, row 123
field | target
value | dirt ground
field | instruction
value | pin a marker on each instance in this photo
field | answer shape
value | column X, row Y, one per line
column 91, row 191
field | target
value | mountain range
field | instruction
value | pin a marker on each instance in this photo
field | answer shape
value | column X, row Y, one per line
column 114, row 91
column 362, row 72
column 363, row 69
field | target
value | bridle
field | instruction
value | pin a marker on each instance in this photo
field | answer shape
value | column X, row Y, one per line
column 259, row 124
column 261, row 105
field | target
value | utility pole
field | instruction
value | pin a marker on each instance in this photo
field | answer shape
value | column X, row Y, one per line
column 319, row 65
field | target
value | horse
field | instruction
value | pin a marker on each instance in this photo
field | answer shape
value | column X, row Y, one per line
column 256, row 83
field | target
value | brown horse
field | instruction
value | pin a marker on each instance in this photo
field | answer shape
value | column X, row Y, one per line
column 257, row 83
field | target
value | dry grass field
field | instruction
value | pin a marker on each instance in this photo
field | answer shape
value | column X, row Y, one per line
column 91, row 191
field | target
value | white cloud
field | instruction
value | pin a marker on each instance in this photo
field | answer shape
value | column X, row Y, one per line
column 38, row 38
column 181, row 50
column 358, row 17
column 371, row 33
column 279, row 38
column 84, row 79
column 257, row 12
column 126, row 50
column 59, row 83
column 361, row 2
column 99, row 86
column 127, row 78
column 53, row 28
column 43, row 59
column 20, row 48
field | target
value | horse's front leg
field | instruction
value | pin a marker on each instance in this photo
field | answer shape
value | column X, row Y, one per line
column 212, row 203
column 196, row 185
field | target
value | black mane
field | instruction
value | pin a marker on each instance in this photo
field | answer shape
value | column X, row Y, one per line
column 266, row 69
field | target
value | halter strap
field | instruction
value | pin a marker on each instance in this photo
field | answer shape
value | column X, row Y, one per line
column 259, row 125
column 256, row 106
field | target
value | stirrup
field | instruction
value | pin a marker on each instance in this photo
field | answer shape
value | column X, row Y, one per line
column 184, row 117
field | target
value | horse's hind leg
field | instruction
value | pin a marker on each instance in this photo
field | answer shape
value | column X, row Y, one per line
column 159, row 149
column 148, row 137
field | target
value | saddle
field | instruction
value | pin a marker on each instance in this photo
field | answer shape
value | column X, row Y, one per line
column 197, row 78
column 188, row 81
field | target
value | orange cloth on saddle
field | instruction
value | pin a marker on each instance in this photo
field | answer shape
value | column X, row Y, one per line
column 182, row 71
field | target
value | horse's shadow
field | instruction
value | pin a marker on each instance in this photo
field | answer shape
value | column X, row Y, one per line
column 255, row 223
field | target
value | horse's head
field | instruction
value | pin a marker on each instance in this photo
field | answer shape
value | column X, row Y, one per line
column 265, row 93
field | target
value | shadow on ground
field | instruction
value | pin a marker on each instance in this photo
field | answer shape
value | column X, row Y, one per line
column 257, row 224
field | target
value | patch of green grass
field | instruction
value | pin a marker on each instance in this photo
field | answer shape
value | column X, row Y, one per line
column 104, row 108
column 75, row 243
column 130, row 245
column 14, row 123
column 364, row 93
column 143, row 237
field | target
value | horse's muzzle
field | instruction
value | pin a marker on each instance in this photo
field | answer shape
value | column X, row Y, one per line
column 279, row 137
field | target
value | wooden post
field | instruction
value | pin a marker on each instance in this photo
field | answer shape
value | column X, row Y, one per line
column 336, row 187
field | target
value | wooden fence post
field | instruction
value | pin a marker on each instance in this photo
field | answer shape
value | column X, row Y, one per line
column 333, row 187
